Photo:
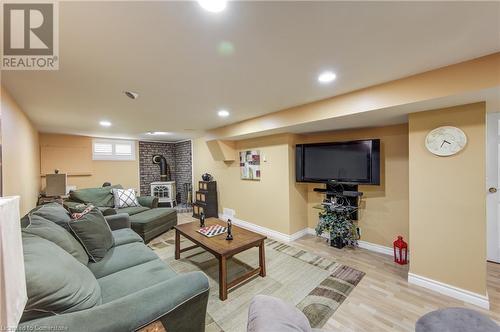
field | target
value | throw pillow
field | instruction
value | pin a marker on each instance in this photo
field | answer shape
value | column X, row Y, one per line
column 125, row 198
column 51, row 231
column 93, row 232
column 80, row 213
column 54, row 212
column 95, row 196
column 80, row 207
column 55, row 282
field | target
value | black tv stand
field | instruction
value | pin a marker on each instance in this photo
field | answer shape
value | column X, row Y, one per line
column 345, row 193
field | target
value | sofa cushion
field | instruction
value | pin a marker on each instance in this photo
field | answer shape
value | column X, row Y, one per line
column 132, row 210
column 125, row 198
column 55, row 287
column 122, row 257
column 134, row 279
column 152, row 218
column 54, row 212
column 51, row 231
column 94, row 234
column 96, row 196
column 125, row 236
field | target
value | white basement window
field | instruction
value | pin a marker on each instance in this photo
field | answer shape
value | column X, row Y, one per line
column 107, row 149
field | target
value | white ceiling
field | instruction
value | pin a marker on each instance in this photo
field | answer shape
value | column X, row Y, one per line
column 167, row 52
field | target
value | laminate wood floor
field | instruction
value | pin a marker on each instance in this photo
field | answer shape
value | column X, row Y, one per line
column 383, row 300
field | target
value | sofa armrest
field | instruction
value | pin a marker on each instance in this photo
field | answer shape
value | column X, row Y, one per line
column 107, row 211
column 179, row 303
column 71, row 204
column 148, row 201
column 118, row 221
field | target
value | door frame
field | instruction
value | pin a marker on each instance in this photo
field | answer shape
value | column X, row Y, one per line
column 492, row 177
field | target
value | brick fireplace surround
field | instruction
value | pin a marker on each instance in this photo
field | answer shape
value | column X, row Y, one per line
column 179, row 160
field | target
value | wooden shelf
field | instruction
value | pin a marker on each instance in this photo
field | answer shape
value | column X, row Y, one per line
column 206, row 200
column 71, row 174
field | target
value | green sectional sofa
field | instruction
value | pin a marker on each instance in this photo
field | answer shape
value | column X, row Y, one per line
column 147, row 220
column 131, row 287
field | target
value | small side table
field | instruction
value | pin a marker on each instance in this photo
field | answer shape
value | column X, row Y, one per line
column 51, row 199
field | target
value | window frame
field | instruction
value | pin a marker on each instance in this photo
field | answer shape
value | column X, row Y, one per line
column 113, row 156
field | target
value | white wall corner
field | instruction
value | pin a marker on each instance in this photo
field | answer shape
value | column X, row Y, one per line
column 311, row 231
column 449, row 290
column 299, row 234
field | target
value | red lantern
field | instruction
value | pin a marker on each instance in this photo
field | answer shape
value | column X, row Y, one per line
column 400, row 251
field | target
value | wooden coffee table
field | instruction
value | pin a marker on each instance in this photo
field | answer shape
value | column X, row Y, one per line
column 222, row 249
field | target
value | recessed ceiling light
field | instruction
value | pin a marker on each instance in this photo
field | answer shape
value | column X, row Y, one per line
column 326, row 77
column 157, row 133
column 213, row 6
column 105, row 123
column 131, row 94
column 223, row 113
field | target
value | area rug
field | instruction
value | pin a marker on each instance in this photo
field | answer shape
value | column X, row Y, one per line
column 316, row 285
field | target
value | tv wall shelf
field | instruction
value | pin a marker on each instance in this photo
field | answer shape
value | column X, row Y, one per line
column 346, row 193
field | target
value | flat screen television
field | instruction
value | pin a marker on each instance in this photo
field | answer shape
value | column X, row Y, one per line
column 356, row 162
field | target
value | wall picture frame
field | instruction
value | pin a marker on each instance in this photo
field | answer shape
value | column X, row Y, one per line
column 250, row 165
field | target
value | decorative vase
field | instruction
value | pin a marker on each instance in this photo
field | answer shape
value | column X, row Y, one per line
column 337, row 242
column 207, row 177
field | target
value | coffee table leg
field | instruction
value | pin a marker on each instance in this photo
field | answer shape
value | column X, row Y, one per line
column 177, row 244
column 262, row 259
column 222, row 278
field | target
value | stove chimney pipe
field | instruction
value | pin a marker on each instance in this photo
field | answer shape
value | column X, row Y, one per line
column 164, row 173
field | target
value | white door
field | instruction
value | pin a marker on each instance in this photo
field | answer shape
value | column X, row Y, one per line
column 492, row 187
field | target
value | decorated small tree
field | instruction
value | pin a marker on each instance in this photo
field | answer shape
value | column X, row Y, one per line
column 336, row 221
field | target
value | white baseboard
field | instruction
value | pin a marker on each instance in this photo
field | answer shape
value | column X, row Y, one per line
column 455, row 292
column 266, row 231
column 299, row 234
column 311, row 231
column 449, row 290
column 362, row 244
column 288, row 238
column 376, row 248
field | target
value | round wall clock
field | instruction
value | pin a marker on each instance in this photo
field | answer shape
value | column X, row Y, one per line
column 445, row 141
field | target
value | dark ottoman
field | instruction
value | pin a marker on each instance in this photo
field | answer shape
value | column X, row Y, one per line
column 151, row 223
column 455, row 320
column 270, row 314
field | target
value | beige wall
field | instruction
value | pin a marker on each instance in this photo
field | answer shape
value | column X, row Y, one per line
column 383, row 212
column 447, row 201
column 73, row 155
column 265, row 202
column 20, row 154
column 279, row 203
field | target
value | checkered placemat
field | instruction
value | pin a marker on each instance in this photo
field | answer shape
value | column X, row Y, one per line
column 213, row 230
